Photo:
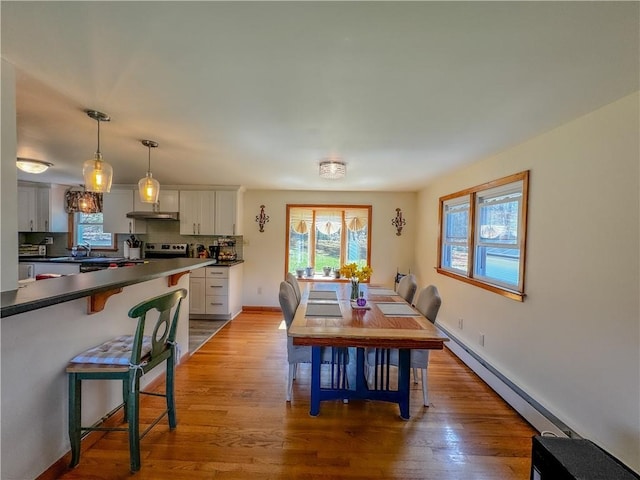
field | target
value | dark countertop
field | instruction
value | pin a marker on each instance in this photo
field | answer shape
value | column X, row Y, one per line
column 43, row 293
column 226, row 263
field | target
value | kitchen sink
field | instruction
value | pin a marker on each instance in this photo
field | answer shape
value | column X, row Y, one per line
column 88, row 259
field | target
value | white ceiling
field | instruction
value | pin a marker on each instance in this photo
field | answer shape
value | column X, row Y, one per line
column 257, row 93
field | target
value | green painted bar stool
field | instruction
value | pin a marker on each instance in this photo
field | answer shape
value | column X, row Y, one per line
column 128, row 358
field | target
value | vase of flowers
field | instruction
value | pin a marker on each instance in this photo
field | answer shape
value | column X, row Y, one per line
column 356, row 275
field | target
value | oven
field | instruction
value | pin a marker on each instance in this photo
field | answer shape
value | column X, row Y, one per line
column 166, row 250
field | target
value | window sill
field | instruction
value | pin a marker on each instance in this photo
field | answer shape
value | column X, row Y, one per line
column 512, row 294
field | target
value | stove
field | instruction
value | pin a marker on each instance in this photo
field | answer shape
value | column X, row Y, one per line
column 165, row 250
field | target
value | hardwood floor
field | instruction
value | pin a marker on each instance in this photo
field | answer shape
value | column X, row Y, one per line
column 234, row 423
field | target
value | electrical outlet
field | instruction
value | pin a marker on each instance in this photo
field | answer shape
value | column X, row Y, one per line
column 48, row 240
column 460, row 323
column 481, row 340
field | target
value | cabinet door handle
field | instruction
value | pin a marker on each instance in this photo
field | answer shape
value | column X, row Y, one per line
column 198, row 229
column 215, row 286
column 46, row 225
column 215, row 303
column 216, row 273
column 194, row 228
column 31, row 225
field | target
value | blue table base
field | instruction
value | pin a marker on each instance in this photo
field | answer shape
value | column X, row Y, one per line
column 345, row 390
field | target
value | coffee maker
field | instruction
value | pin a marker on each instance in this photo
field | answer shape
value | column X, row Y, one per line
column 214, row 252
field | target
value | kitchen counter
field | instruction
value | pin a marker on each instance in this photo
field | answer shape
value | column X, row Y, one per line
column 44, row 293
column 226, row 263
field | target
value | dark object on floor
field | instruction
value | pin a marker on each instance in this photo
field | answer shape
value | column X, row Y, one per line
column 555, row 458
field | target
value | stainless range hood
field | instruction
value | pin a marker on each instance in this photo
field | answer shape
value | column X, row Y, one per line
column 154, row 215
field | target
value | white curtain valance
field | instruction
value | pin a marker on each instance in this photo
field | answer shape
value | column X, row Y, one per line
column 357, row 219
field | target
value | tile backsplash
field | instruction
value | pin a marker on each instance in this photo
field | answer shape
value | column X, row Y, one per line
column 158, row 231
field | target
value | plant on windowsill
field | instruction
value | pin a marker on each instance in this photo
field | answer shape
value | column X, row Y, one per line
column 356, row 275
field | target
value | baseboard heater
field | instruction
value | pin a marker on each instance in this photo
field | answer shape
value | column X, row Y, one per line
column 537, row 415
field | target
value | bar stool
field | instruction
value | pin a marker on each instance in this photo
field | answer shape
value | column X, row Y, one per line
column 128, row 358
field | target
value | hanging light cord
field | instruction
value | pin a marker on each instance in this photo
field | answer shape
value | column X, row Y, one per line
column 98, row 154
column 149, row 169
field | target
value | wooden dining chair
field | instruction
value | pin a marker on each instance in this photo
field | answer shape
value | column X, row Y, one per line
column 407, row 287
column 336, row 357
column 127, row 358
column 428, row 304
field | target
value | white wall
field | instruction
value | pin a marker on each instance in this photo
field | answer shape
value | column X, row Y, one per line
column 264, row 252
column 8, row 182
column 574, row 343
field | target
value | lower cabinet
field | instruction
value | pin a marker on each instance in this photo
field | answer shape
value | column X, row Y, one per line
column 216, row 292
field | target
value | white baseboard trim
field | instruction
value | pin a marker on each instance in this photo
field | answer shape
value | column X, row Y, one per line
column 534, row 413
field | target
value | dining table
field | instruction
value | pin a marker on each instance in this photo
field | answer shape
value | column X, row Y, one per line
column 327, row 317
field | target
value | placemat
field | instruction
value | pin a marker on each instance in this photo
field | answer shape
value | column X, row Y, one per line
column 397, row 309
column 323, row 295
column 387, row 292
column 323, row 310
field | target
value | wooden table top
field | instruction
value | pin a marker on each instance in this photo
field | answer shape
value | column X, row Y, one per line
column 359, row 327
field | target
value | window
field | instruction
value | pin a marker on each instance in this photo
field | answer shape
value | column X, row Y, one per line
column 88, row 229
column 483, row 235
column 321, row 236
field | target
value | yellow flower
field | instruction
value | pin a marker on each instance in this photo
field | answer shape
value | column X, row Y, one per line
column 351, row 270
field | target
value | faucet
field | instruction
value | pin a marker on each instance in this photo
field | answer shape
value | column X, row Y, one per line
column 86, row 246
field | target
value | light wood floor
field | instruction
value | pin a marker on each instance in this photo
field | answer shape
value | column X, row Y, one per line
column 234, row 423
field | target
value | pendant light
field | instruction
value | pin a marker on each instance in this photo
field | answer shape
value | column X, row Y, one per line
column 97, row 173
column 149, row 187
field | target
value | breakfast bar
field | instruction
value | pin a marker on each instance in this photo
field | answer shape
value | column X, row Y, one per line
column 44, row 324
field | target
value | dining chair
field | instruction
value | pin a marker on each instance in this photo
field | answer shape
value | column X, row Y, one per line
column 293, row 281
column 127, row 358
column 296, row 354
column 407, row 287
column 428, row 304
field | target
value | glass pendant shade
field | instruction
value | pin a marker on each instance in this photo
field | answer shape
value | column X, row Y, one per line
column 98, row 175
column 149, row 187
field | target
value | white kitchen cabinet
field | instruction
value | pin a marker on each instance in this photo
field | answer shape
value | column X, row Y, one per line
column 115, row 206
column 197, row 208
column 197, row 298
column 222, row 287
column 168, row 201
column 27, row 216
column 227, row 212
column 41, row 208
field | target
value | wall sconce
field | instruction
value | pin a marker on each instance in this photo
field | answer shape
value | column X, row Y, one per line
column 398, row 222
column 262, row 218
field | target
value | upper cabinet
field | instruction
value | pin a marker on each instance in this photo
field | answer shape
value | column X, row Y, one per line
column 210, row 212
column 168, row 201
column 41, row 208
column 115, row 206
column 197, row 209
column 227, row 218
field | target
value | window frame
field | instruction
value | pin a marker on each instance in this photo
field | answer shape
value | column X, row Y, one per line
column 472, row 195
column 73, row 231
column 312, row 241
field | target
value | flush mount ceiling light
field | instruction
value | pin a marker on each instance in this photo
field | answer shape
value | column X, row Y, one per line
column 333, row 169
column 149, row 187
column 32, row 166
column 97, row 173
